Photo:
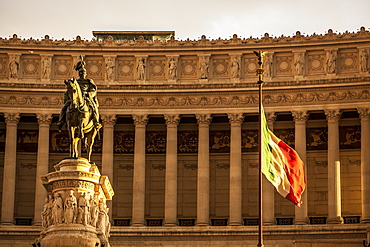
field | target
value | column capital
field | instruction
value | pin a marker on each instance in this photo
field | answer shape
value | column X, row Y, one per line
column 203, row 119
column 11, row 118
column 172, row 119
column 270, row 116
column 300, row 116
column 235, row 118
column 140, row 119
column 44, row 118
column 108, row 120
column 332, row 115
column 363, row 112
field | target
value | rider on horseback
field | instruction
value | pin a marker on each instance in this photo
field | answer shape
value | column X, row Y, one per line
column 88, row 89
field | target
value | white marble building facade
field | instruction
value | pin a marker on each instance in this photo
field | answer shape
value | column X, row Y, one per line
column 179, row 137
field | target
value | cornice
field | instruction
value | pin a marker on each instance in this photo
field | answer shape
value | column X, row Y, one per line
column 297, row 40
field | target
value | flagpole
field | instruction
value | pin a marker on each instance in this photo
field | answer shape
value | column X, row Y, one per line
column 260, row 212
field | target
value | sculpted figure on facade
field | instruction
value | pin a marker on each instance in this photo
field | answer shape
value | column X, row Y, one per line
column 204, row 67
column 46, row 67
column 235, row 67
column 140, row 68
column 57, row 210
column 331, row 62
column 70, row 208
column 172, row 69
column 14, row 67
column 267, row 64
column 364, row 60
column 109, row 69
column 299, row 64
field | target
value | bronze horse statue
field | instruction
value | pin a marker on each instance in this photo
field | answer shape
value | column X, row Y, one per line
column 79, row 120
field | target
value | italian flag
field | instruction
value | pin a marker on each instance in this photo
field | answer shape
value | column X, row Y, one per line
column 282, row 165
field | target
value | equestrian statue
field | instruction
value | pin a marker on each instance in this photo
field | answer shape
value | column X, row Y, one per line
column 80, row 111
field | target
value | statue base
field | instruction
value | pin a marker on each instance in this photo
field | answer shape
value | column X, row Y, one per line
column 75, row 212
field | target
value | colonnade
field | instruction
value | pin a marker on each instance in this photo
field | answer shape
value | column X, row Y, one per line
column 203, row 172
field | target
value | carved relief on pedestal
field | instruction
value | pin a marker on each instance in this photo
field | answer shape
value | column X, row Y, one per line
column 76, row 205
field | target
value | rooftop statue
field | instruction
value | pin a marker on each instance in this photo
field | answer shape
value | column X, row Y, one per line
column 80, row 111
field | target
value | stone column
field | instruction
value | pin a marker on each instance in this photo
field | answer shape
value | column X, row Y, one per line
column 138, row 200
column 44, row 121
column 107, row 152
column 170, row 209
column 235, row 190
column 268, row 195
column 334, row 202
column 203, row 169
column 365, row 163
column 300, row 118
column 10, row 164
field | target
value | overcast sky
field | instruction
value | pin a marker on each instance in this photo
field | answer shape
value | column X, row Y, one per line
column 188, row 18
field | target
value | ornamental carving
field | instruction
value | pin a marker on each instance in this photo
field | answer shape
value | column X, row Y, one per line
column 125, row 68
column 331, row 61
column 300, row 116
column 3, row 65
column 30, row 66
column 108, row 120
column 44, row 119
column 236, row 118
column 348, row 60
column 220, row 67
column 94, row 67
column 124, row 142
column 62, row 67
column 332, row 114
column 157, row 68
column 283, row 64
column 188, row 67
column 202, row 42
column 363, row 112
column 250, row 65
column 203, row 119
column 172, row 119
column 316, row 62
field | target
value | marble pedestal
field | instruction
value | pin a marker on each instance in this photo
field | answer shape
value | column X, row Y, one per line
column 75, row 212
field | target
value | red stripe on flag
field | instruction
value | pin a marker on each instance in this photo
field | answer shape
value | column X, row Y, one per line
column 294, row 169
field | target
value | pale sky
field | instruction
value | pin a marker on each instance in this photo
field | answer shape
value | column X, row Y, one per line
column 188, row 18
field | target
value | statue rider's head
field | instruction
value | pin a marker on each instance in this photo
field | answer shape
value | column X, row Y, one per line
column 82, row 73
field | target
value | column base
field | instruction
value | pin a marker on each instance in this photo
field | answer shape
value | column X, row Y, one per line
column 202, row 224
column 5, row 223
column 170, row 224
column 235, row 223
column 301, row 221
column 336, row 220
column 137, row 224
